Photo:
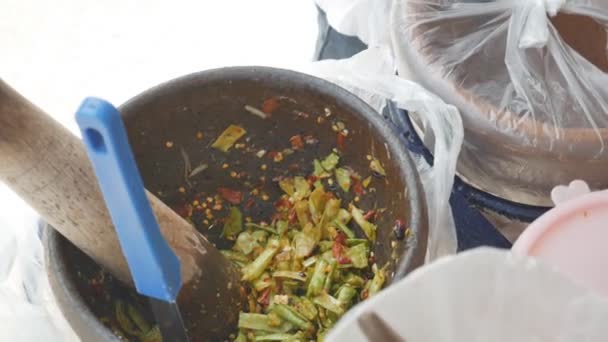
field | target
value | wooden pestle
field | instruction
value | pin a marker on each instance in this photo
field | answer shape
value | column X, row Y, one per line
column 48, row 167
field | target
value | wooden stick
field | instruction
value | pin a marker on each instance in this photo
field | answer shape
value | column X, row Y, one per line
column 48, row 167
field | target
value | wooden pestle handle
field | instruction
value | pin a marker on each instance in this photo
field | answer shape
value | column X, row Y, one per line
column 47, row 166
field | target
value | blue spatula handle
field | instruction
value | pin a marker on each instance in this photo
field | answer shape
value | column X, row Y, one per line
column 154, row 267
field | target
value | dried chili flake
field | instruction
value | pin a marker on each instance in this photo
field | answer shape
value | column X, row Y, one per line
column 296, row 142
column 270, row 105
column 369, row 215
column 250, row 202
column 340, row 141
column 358, row 188
column 232, row 196
column 264, row 298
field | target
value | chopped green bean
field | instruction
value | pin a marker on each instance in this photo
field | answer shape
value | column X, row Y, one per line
column 358, row 255
column 330, row 274
column 255, row 321
column 282, row 227
column 343, row 178
column 368, row 228
column 302, row 188
column 329, row 303
column 233, row 224
column 292, row 316
column 349, row 233
column 274, row 337
column 300, row 276
column 318, row 279
column 264, row 281
column 330, row 162
column 261, row 227
column 378, row 280
column 306, row 308
column 346, row 294
column 257, row 267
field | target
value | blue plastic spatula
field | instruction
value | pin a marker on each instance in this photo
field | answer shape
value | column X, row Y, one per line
column 154, row 267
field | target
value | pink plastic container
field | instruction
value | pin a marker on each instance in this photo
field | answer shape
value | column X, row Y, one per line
column 573, row 236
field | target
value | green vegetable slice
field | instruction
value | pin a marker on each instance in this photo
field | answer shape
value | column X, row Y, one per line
column 377, row 167
column 254, row 321
column 329, row 303
column 233, row 224
column 318, row 279
column 343, row 178
column 290, row 274
column 228, row 138
column 359, row 255
column 292, row 316
column 257, row 267
column 330, row 162
column 368, row 228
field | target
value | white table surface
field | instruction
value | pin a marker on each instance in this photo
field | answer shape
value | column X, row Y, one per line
column 58, row 52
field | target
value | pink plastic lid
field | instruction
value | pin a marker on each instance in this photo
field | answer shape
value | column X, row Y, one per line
column 573, row 236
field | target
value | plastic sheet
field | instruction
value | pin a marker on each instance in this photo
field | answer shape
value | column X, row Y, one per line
column 530, row 80
column 28, row 311
column 484, row 295
column 370, row 75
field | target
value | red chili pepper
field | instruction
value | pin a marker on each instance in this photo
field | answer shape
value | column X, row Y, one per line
column 270, row 105
column 312, row 179
column 296, row 142
column 369, row 215
column 250, row 202
column 340, row 141
column 293, row 217
column 279, row 285
column 272, row 154
column 264, row 298
column 357, row 186
column 282, row 204
column 232, row 196
column 338, row 249
column 340, row 238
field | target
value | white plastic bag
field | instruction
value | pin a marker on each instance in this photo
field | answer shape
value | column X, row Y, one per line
column 529, row 77
column 28, row 310
column 371, row 76
column 484, row 295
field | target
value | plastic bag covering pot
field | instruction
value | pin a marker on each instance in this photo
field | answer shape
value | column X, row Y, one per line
column 484, row 295
column 371, row 76
column 529, row 77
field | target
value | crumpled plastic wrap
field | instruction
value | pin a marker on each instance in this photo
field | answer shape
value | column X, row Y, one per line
column 530, row 80
column 28, row 310
column 371, row 76
column 529, row 77
column 484, row 295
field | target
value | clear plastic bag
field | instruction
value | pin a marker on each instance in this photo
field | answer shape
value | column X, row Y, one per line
column 371, row 76
column 529, row 77
column 484, row 295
